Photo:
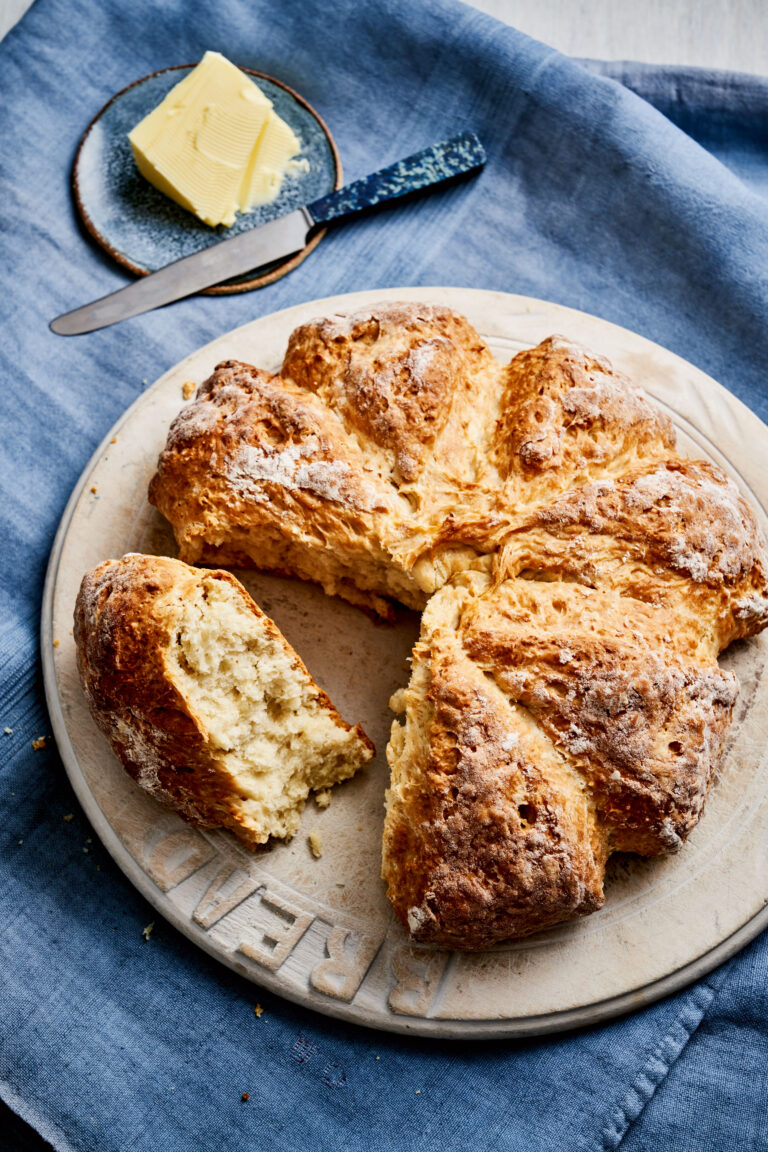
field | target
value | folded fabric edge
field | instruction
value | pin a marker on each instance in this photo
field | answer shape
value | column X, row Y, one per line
column 659, row 1063
column 34, row 1119
column 668, row 85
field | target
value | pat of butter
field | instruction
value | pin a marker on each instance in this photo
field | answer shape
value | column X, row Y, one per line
column 215, row 145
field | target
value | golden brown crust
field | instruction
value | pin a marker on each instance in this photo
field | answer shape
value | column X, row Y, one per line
column 391, row 372
column 674, row 532
column 126, row 617
column 486, row 837
column 566, row 414
column 120, row 637
column 257, row 472
column 603, row 676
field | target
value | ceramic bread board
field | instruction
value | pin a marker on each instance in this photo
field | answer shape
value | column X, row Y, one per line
column 319, row 931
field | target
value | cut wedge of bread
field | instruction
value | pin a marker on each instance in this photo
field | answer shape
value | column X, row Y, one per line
column 203, row 700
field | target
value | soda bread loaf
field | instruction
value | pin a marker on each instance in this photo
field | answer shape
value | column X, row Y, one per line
column 579, row 578
column 205, row 703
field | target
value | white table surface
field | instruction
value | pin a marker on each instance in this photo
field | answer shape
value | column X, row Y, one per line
column 730, row 34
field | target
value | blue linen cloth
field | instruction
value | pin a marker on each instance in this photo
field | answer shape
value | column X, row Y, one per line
column 591, row 198
column 726, row 112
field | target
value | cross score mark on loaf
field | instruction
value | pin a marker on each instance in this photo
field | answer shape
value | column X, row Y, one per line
column 579, row 579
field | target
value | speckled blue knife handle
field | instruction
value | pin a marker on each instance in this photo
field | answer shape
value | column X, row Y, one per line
column 442, row 161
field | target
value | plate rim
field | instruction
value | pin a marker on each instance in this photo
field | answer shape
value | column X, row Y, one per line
column 217, row 289
column 597, row 1012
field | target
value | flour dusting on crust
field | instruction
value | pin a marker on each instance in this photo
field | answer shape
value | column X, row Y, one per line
column 298, row 467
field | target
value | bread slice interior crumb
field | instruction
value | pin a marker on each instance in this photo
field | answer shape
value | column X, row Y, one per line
column 269, row 727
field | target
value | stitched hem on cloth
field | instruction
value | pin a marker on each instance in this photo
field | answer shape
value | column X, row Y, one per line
column 658, row 1066
column 47, row 1131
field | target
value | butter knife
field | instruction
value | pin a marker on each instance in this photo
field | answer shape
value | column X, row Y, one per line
column 279, row 238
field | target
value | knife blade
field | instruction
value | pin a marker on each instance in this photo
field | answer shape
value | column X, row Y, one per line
column 279, row 238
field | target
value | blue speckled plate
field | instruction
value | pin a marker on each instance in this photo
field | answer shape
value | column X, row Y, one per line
column 142, row 228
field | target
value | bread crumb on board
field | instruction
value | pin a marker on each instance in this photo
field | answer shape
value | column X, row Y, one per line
column 39, row 743
column 68, row 817
column 8, row 731
column 397, row 701
column 148, row 930
column 315, row 842
column 188, row 389
column 258, row 1010
column 323, row 797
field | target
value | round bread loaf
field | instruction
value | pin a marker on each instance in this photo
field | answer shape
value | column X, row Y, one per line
column 579, row 576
